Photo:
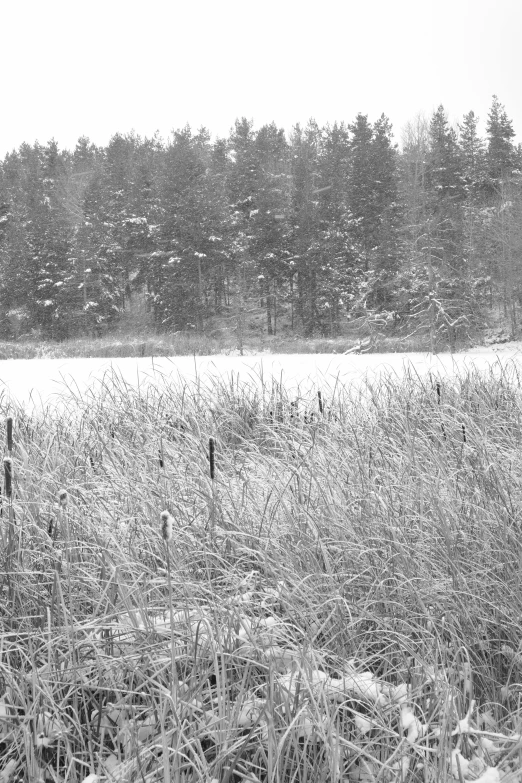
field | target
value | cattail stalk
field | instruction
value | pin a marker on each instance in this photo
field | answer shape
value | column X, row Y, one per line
column 63, row 519
column 8, row 478
column 212, row 464
column 9, row 435
column 11, row 544
column 167, row 525
column 211, row 457
column 8, row 492
column 71, row 554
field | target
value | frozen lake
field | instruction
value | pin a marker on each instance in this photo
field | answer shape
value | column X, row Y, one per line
column 42, row 381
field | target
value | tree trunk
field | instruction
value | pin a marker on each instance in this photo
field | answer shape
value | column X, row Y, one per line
column 432, row 303
column 268, row 308
column 275, row 307
column 240, row 312
column 201, row 303
column 292, row 303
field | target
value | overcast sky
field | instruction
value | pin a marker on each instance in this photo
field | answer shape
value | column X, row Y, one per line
column 99, row 67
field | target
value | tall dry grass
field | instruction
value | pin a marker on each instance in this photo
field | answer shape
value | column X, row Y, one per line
column 147, row 343
column 339, row 601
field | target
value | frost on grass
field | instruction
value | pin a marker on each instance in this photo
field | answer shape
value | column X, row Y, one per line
column 340, row 603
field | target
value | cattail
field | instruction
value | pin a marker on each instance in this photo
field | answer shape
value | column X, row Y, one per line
column 166, row 526
column 8, row 476
column 464, row 433
column 320, row 399
column 438, row 393
column 9, row 434
column 211, row 457
column 62, row 498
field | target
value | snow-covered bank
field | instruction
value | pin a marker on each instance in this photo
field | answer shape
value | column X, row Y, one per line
column 42, row 381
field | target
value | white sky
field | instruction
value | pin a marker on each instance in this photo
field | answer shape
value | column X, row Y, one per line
column 99, row 67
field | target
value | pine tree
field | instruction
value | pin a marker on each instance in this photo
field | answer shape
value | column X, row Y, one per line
column 39, row 240
column 361, row 185
column 475, row 174
column 444, row 160
column 501, row 154
column 446, row 188
column 268, row 222
column 434, row 298
column 96, row 258
column 336, row 247
column 14, row 251
column 373, row 200
column 388, row 218
column 473, row 156
column 120, row 202
column 190, row 240
column 51, row 242
column 504, row 189
column 223, row 267
column 305, row 151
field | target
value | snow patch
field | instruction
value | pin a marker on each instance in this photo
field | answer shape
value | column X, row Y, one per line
column 301, row 373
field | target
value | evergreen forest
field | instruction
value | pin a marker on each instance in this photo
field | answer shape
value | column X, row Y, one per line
column 313, row 230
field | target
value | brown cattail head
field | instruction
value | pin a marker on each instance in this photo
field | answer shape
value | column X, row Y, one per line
column 10, row 434
column 167, row 523
column 62, row 498
column 212, row 457
column 320, row 400
column 8, row 476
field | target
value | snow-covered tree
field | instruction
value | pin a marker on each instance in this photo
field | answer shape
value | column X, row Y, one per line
column 501, row 153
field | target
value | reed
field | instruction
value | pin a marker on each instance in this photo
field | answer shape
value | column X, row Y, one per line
column 354, row 616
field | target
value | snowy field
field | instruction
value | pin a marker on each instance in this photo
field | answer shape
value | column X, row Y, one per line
column 47, row 381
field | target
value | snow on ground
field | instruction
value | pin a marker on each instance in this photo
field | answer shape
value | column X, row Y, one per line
column 40, row 381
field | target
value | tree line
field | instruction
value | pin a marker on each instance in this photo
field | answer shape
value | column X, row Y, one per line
column 327, row 225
